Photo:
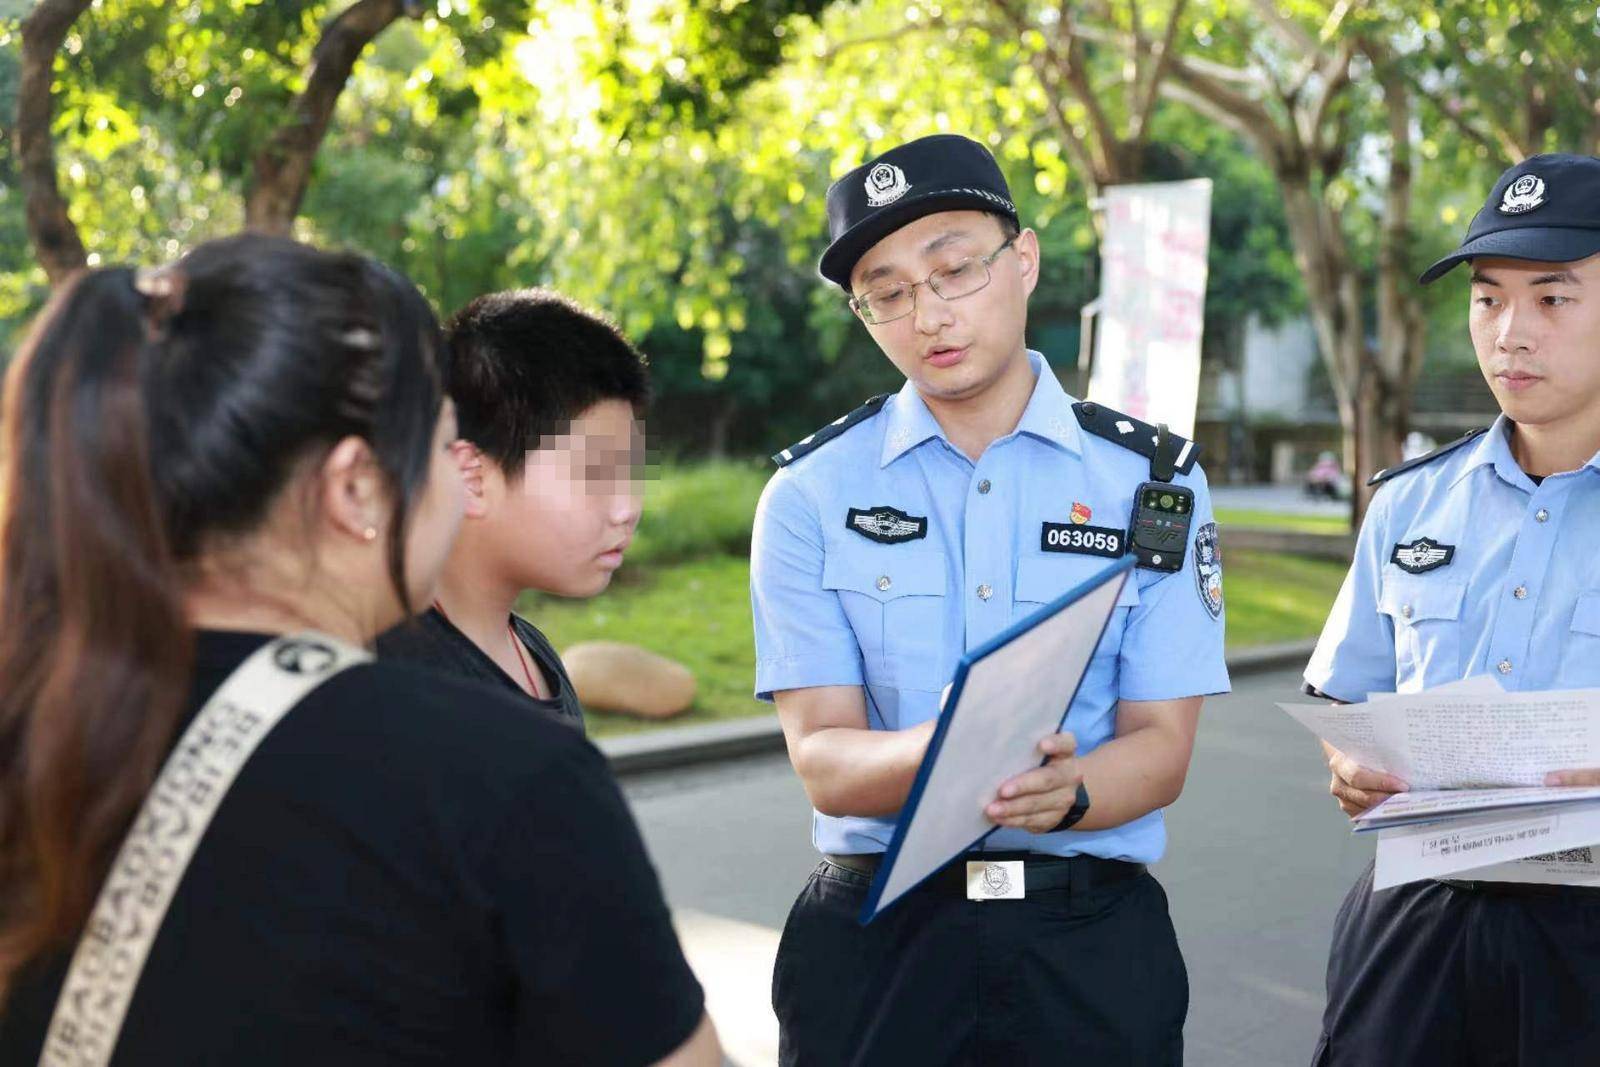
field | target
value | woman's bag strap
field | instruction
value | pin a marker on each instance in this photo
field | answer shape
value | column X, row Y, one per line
column 176, row 812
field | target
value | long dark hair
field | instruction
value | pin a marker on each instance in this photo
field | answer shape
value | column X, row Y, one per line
column 146, row 416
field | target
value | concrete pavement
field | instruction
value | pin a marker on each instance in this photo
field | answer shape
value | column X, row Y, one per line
column 1259, row 861
column 1288, row 499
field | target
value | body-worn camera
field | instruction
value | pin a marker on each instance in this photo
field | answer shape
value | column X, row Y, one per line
column 1159, row 532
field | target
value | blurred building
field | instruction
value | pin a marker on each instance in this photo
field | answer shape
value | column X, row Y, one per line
column 1266, row 407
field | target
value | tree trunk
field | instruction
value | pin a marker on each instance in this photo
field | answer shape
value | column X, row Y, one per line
column 1333, row 297
column 720, row 424
column 1382, row 417
column 1396, row 360
column 50, row 227
column 283, row 166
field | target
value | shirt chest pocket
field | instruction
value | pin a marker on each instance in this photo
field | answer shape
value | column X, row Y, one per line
column 1040, row 581
column 1580, row 659
column 1426, row 614
column 895, row 600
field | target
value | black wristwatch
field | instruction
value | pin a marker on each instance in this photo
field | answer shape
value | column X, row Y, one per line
column 1075, row 814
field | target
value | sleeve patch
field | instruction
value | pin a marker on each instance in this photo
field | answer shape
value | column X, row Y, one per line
column 1208, row 569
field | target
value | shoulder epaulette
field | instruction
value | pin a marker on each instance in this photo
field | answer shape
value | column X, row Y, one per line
column 807, row 445
column 1132, row 434
column 1411, row 464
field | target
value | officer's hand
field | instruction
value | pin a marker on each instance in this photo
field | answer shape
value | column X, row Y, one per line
column 1038, row 799
column 1590, row 776
column 1355, row 787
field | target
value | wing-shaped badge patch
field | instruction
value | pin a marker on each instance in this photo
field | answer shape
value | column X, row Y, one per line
column 886, row 525
column 1422, row 555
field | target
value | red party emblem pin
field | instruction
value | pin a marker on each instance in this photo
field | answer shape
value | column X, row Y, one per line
column 1081, row 513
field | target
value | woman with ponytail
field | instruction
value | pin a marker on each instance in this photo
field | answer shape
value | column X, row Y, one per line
column 194, row 462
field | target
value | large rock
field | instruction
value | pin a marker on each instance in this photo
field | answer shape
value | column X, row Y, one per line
column 628, row 680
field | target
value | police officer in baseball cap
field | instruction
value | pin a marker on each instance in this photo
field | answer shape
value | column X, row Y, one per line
column 914, row 529
column 1480, row 559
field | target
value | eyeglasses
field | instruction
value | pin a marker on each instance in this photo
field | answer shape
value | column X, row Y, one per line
column 961, row 278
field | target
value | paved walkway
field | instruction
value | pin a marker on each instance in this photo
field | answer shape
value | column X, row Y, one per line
column 1288, row 499
column 1259, row 861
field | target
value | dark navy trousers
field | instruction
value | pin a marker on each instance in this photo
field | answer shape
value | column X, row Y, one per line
column 1086, row 977
column 1429, row 975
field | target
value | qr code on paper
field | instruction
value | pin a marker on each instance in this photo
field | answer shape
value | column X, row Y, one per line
column 1566, row 855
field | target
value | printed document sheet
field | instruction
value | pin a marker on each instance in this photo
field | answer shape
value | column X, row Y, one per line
column 1432, row 805
column 1468, row 735
column 1448, row 849
column 1475, row 758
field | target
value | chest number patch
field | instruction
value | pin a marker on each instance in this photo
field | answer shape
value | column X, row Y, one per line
column 886, row 525
column 1422, row 555
column 1083, row 540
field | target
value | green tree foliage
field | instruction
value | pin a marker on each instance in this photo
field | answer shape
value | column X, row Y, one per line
column 666, row 161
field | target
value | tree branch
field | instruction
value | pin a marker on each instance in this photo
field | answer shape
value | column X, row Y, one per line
column 1395, row 303
column 1290, row 30
column 1145, row 104
column 1452, row 115
column 50, row 227
column 933, row 25
column 1499, row 137
column 1313, row 59
column 1077, row 147
column 1243, row 114
column 1335, row 77
column 1133, row 72
column 1219, row 71
column 1068, row 68
column 283, row 166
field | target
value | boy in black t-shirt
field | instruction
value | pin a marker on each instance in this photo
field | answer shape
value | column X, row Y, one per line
column 549, row 397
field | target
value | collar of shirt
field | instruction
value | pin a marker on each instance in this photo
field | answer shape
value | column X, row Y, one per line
column 1493, row 449
column 1048, row 417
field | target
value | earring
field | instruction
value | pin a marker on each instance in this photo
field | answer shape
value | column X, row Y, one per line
column 370, row 533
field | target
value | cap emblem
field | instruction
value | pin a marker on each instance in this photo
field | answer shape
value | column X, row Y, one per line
column 886, row 183
column 1524, row 194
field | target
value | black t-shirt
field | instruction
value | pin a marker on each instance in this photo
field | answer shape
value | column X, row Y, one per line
column 409, row 870
column 432, row 640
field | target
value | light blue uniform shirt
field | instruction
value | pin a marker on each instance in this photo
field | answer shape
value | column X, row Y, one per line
column 1518, row 598
column 835, row 607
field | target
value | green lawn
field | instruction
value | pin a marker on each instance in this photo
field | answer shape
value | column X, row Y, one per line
column 698, row 613
column 1276, row 520
column 1273, row 597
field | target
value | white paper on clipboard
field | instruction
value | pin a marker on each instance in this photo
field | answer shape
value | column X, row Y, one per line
column 1007, row 695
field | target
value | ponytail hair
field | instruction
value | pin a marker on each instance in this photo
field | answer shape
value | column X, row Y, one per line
column 146, row 415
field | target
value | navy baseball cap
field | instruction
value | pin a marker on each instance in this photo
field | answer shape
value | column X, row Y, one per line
column 945, row 172
column 1546, row 208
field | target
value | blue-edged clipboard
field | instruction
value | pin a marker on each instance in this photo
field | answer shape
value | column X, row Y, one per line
column 1099, row 595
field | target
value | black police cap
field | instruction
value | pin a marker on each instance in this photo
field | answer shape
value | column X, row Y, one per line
column 945, row 172
column 1546, row 208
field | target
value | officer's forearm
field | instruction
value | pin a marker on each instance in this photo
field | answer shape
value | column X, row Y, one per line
column 856, row 771
column 1143, row 768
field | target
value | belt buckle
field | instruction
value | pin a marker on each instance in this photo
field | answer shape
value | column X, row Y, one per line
column 996, row 880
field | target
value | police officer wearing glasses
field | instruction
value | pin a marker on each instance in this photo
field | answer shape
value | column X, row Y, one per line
column 913, row 529
column 1479, row 559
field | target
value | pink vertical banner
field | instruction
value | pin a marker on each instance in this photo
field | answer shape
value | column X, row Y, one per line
column 1152, row 301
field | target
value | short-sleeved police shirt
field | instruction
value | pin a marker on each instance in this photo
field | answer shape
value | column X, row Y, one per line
column 409, row 870
column 1464, row 566
column 892, row 608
